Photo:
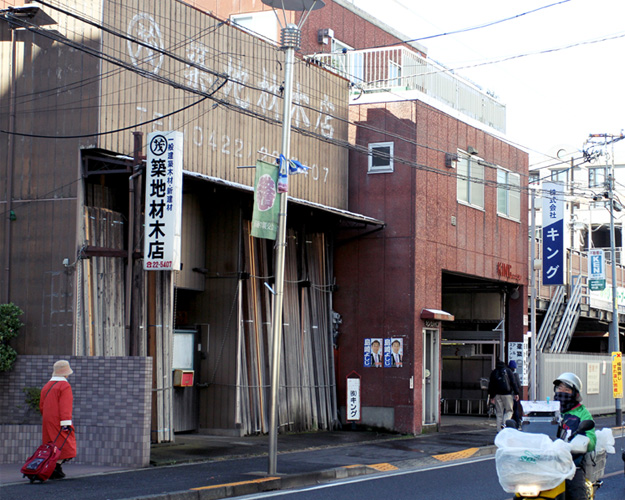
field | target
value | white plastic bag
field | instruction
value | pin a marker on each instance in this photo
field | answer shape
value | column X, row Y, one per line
column 524, row 458
column 605, row 440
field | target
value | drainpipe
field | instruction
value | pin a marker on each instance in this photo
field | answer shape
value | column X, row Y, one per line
column 10, row 158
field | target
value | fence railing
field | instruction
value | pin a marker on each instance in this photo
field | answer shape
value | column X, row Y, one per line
column 399, row 68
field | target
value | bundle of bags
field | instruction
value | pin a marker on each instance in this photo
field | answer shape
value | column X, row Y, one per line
column 523, row 458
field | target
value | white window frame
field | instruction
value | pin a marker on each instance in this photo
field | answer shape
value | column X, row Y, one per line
column 381, row 169
column 560, row 174
column 470, row 186
column 264, row 23
column 394, row 73
column 592, row 177
column 508, row 194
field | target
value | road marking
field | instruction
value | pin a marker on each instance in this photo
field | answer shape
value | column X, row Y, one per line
column 261, row 480
column 383, row 467
column 468, row 453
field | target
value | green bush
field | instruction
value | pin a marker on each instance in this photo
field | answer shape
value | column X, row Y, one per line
column 9, row 327
column 31, row 397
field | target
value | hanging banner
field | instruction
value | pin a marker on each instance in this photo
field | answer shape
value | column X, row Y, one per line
column 617, row 375
column 266, row 201
column 163, row 202
column 596, row 269
column 553, row 234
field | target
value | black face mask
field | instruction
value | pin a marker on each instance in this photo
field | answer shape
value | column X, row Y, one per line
column 567, row 401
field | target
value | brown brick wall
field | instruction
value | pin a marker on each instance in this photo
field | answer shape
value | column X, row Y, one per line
column 111, row 417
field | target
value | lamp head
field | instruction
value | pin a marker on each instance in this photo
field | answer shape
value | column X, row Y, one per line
column 299, row 5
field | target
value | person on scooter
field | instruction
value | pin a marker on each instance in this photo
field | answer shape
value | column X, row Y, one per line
column 568, row 388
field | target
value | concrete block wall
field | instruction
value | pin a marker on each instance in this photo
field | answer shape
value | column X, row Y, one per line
column 112, row 409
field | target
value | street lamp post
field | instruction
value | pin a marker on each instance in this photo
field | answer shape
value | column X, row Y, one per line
column 290, row 41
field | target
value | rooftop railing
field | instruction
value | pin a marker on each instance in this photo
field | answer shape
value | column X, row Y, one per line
column 395, row 69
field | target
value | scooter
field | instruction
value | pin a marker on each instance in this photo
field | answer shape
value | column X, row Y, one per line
column 535, row 466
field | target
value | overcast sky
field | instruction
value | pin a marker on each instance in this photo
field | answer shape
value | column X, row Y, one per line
column 554, row 99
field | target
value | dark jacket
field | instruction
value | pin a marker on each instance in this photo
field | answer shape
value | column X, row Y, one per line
column 493, row 386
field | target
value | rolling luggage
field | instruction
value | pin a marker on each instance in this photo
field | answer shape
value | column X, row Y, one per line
column 41, row 465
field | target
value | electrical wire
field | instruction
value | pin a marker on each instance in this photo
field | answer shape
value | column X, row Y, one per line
column 230, row 105
column 478, row 27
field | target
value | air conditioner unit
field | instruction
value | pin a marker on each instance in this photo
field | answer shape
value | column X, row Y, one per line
column 325, row 35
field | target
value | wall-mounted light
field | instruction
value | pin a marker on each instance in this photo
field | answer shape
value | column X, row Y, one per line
column 451, row 159
column 472, row 151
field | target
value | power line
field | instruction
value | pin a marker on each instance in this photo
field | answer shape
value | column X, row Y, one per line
column 478, row 27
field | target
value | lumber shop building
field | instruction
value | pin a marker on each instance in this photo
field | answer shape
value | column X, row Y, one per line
column 86, row 85
column 445, row 280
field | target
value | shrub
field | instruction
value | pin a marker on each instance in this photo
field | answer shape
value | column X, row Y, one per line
column 9, row 327
column 31, row 397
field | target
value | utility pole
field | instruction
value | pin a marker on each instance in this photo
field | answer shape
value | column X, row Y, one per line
column 614, row 325
column 614, row 328
column 533, row 391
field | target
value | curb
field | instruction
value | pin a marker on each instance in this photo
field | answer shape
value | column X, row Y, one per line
column 263, row 484
column 285, row 482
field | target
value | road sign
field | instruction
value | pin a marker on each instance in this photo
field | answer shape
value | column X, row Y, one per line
column 596, row 269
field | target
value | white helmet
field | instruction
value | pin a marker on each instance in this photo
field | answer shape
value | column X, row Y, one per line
column 572, row 380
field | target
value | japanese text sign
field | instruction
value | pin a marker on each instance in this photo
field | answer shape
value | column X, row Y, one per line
column 553, row 234
column 353, row 399
column 617, row 374
column 596, row 269
column 163, row 202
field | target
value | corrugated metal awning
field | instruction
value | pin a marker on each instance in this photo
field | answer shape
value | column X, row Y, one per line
column 436, row 314
column 346, row 214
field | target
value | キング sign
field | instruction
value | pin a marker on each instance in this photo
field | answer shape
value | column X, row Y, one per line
column 553, row 234
column 163, row 202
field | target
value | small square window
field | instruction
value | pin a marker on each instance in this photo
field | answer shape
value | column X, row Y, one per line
column 380, row 157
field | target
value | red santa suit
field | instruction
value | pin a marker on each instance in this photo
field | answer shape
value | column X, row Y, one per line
column 56, row 407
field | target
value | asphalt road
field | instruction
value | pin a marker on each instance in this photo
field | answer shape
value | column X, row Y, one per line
column 469, row 479
column 474, row 479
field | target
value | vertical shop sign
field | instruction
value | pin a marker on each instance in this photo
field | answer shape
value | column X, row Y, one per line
column 518, row 352
column 163, row 202
column 617, row 374
column 596, row 269
column 353, row 397
column 553, row 234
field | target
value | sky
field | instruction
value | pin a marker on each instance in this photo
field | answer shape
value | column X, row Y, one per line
column 554, row 100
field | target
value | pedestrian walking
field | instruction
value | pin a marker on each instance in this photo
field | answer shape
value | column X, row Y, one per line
column 502, row 391
column 56, row 405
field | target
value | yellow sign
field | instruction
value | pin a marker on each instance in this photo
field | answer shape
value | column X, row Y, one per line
column 617, row 374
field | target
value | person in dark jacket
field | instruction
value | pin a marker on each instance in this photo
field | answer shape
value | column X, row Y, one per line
column 502, row 392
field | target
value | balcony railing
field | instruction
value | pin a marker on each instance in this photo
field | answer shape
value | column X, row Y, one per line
column 398, row 68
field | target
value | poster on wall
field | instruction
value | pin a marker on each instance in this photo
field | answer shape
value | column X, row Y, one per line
column 393, row 352
column 373, row 353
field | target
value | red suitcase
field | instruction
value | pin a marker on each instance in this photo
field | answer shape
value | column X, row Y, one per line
column 40, row 466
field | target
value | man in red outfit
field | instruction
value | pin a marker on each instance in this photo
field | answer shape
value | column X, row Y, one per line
column 56, row 404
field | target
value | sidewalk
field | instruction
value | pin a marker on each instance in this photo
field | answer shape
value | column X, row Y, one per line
column 329, row 455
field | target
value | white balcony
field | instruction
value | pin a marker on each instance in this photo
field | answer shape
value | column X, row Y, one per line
column 399, row 68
